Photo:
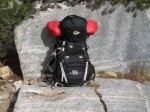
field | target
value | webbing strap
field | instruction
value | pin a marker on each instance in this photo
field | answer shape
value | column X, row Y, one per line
column 57, row 84
column 57, row 51
column 63, row 45
column 63, row 73
column 86, row 69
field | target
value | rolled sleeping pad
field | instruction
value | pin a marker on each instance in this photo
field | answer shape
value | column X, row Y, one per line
column 91, row 27
column 54, row 29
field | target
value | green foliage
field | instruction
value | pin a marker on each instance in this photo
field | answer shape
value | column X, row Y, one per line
column 139, row 3
column 12, row 14
column 98, row 2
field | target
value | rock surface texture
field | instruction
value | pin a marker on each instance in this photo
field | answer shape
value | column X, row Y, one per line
column 9, row 86
column 117, row 96
column 125, row 95
column 44, row 99
column 121, row 42
column 8, row 95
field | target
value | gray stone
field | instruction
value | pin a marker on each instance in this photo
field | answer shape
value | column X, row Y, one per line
column 117, row 95
column 44, row 99
column 148, row 13
column 145, row 92
column 121, row 42
column 125, row 95
column 36, row 6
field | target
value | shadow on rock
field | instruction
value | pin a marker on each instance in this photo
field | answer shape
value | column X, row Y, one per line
column 48, row 41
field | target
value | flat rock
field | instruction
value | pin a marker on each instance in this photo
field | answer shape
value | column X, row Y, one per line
column 33, row 98
column 145, row 92
column 118, row 96
column 148, row 13
column 125, row 95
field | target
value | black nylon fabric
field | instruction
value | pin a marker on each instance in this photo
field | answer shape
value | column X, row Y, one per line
column 74, row 61
column 72, row 56
column 73, row 28
column 71, row 48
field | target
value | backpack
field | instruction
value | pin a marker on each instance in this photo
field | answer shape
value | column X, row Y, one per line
column 72, row 62
column 73, row 66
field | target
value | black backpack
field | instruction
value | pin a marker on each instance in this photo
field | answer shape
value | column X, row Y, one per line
column 72, row 62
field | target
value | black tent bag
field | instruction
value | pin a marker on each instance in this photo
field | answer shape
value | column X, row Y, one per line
column 72, row 62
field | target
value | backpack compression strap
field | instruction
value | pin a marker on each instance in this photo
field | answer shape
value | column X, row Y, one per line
column 85, row 73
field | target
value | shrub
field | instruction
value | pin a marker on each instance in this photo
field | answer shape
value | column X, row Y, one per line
column 11, row 14
column 139, row 3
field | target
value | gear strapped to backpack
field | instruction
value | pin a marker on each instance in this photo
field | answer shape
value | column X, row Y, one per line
column 72, row 62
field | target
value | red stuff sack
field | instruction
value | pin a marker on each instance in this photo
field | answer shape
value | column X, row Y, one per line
column 54, row 29
column 91, row 27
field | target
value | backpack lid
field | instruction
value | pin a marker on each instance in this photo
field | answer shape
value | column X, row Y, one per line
column 73, row 28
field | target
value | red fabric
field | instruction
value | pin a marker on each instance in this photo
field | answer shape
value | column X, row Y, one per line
column 53, row 28
column 91, row 27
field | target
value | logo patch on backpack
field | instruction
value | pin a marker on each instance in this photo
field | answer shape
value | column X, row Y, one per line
column 76, row 32
column 74, row 72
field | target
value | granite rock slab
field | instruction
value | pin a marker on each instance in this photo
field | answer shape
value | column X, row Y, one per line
column 117, row 96
column 44, row 99
column 120, row 43
column 125, row 95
